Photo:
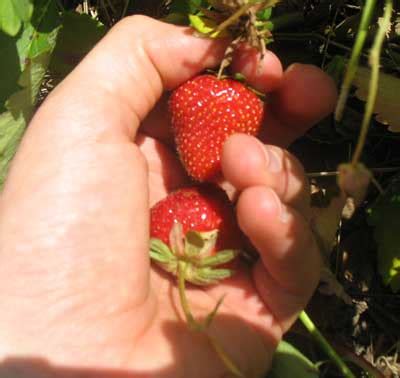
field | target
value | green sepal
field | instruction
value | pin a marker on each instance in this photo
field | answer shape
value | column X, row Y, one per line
column 161, row 254
column 207, row 276
column 159, row 251
column 221, row 257
column 196, row 251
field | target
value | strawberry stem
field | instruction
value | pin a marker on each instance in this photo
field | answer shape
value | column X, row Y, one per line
column 231, row 19
column 225, row 358
column 194, row 325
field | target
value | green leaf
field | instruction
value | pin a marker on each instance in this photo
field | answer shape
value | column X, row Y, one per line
column 202, row 24
column 77, row 37
column 9, row 67
column 13, row 13
column 29, row 58
column 186, row 7
column 289, row 362
column 386, row 107
column 11, row 131
column 206, row 26
column 384, row 215
column 264, row 14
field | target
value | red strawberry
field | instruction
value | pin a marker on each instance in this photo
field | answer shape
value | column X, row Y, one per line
column 191, row 225
column 205, row 111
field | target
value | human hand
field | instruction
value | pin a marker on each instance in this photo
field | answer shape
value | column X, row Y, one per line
column 76, row 284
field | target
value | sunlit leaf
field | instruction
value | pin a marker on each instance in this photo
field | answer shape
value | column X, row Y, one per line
column 387, row 102
column 289, row 362
column 206, row 26
column 13, row 13
column 30, row 56
column 384, row 215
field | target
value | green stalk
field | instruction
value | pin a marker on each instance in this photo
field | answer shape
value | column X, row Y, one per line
column 184, row 302
column 198, row 327
column 323, row 343
column 240, row 12
column 355, row 57
column 374, row 58
column 125, row 9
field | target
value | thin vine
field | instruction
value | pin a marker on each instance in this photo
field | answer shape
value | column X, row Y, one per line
column 355, row 57
column 374, row 60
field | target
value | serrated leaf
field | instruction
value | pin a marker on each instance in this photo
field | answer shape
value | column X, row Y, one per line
column 13, row 13
column 289, row 362
column 387, row 102
column 31, row 53
column 77, row 37
column 384, row 215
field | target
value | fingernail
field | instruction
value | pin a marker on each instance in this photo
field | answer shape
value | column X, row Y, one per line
column 281, row 209
column 274, row 160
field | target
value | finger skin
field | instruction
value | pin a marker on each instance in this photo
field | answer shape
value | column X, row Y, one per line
column 290, row 263
column 272, row 211
column 263, row 74
column 247, row 162
column 305, row 96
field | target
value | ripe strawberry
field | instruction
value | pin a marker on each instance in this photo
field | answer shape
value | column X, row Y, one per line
column 205, row 111
column 191, row 225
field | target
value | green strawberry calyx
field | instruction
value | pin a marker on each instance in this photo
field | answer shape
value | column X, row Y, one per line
column 191, row 258
column 193, row 252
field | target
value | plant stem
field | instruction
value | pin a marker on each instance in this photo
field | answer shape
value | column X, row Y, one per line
column 199, row 327
column 231, row 19
column 355, row 57
column 123, row 14
column 374, row 58
column 335, row 173
column 85, row 6
column 323, row 343
column 331, row 33
column 182, row 295
column 240, row 12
